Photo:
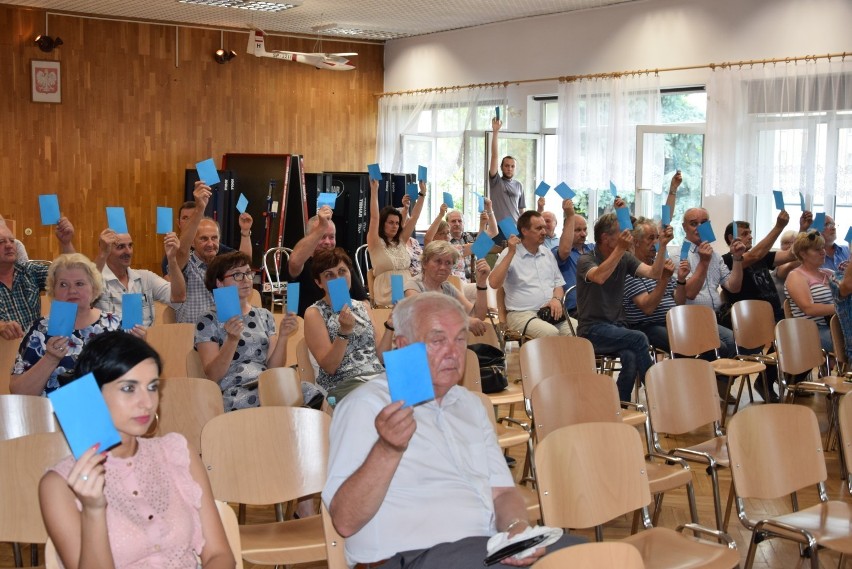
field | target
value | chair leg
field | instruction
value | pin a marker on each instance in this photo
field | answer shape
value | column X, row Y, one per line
column 752, row 550
column 717, row 500
column 693, row 509
column 19, row 560
column 658, row 506
column 729, row 506
column 725, row 402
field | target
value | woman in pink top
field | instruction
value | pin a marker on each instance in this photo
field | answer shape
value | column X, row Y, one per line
column 144, row 503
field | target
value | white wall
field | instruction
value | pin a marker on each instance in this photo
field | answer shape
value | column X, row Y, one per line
column 638, row 35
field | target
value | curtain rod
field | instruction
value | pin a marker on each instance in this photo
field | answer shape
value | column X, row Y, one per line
column 569, row 78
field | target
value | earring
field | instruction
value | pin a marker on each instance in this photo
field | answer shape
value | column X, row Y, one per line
column 152, row 430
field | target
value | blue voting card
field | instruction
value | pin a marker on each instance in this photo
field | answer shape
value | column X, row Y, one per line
column 207, row 172
column 116, row 219
column 292, row 298
column 84, row 416
column 497, row 112
column 612, row 189
column 326, row 198
column 409, row 378
column 564, row 191
column 481, row 200
column 131, row 310
column 819, row 221
column 542, row 189
column 623, row 215
column 60, row 322
column 412, row 190
column 482, row 245
column 49, row 206
column 165, row 220
column 705, row 232
column 508, row 227
column 736, row 233
column 802, row 201
column 684, row 251
column 779, row 200
column 667, row 216
column 242, row 203
column 227, row 303
column 338, row 290
column 375, row 172
column 397, row 291
column 422, row 174
column 448, row 199
column 849, row 235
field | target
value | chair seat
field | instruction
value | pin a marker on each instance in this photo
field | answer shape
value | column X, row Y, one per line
column 633, row 417
column 716, row 447
column 514, row 393
column 728, row 366
column 665, row 548
column 828, row 522
column 284, row 543
column 838, row 384
column 664, row 477
column 509, row 437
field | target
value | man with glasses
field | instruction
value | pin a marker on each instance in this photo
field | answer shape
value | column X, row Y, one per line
column 836, row 255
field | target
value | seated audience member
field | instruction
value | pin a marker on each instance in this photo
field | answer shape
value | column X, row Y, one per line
column 345, row 344
column 440, row 231
column 96, row 509
column 114, row 259
column 415, row 250
column 42, row 358
column 386, row 239
column 647, row 301
column 438, row 259
column 320, row 236
column 422, row 486
column 808, row 287
column 236, row 351
column 779, row 273
column 531, row 280
column 199, row 245
column 21, row 282
column 550, row 223
column 572, row 245
column 836, row 254
column 19, row 247
column 600, row 288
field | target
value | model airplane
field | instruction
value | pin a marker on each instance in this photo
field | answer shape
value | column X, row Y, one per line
column 333, row 61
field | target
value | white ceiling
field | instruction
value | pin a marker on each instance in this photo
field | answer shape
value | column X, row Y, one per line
column 392, row 18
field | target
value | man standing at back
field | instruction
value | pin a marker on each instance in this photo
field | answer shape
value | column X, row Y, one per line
column 506, row 193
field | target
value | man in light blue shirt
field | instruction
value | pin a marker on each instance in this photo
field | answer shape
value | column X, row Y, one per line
column 835, row 253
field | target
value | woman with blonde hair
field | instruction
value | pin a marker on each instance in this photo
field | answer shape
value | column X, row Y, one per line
column 808, row 286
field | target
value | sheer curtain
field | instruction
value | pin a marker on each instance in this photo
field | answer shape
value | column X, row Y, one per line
column 597, row 129
column 775, row 127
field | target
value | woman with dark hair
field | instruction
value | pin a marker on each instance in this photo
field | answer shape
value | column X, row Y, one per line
column 234, row 353
column 386, row 242
column 144, row 503
column 346, row 346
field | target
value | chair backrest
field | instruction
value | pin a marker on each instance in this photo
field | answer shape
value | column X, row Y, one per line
column 471, row 378
column 844, row 415
column 163, row 313
column 490, row 337
column 292, row 339
column 371, row 284
column 333, row 542
column 22, row 415
column 788, row 308
column 753, row 323
column 543, row 357
column 775, row 450
column 232, row 530
column 379, row 317
column 838, row 341
column 590, row 473
column 8, row 353
column 692, row 329
column 455, row 281
column 303, row 362
column 280, row 386
column 172, row 342
column 275, row 262
column 363, row 264
column 186, row 404
column 603, row 555
column 798, row 345
column 23, row 461
column 194, row 367
column 501, row 305
column 568, row 399
column 255, row 299
column 266, row 455
column 682, row 395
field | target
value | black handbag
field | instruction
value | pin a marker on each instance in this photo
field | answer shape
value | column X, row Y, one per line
column 545, row 314
column 492, row 367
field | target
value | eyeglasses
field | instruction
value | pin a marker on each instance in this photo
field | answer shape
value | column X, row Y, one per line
column 239, row 277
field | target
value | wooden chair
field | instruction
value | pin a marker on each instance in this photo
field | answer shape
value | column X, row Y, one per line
column 172, row 342
column 693, row 331
column 456, row 282
column 304, row 365
column 490, row 337
column 753, row 323
column 280, row 386
column 194, row 367
column 594, row 472
column 606, row 555
column 568, row 399
column 683, row 397
column 292, row 339
column 844, row 415
column 23, row 461
column 838, row 341
column 22, row 415
column 379, row 317
column 334, row 543
column 788, row 309
column 255, row 299
column 775, row 451
column 505, row 333
column 8, row 353
column 169, row 316
column 471, row 378
column 186, row 404
column 270, row 455
column 164, row 314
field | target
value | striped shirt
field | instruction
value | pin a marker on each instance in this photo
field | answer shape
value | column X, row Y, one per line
column 633, row 287
column 21, row 303
column 820, row 293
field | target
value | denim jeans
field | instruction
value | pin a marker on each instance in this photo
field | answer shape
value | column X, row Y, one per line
column 632, row 349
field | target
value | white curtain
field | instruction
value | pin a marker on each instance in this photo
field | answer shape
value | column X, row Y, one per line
column 774, row 127
column 597, row 129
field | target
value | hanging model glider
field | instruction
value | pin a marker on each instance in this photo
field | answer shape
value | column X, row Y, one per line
column 333, row 61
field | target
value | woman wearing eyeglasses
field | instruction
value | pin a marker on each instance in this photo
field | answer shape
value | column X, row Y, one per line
column 808, row 286
column 235, row 352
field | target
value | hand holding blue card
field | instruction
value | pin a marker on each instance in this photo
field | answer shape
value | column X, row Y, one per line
column 326, row 198
column 227, row 303
column 84, row 416
column 422, row 174
column 242, row 203
column 819, row 221
column 497, row 112
column 339, row 292
column 165, row 223
column 413, row 192
column 565, row 192
column 802, row 201
column 481, row 200
column 408, row 374
column 448, row 199
column 667, row 215
column 612, row 190
column 482, row 245
column 542, row 189
column 116, row 219
column 508, row 226
column 131, row 310
column 60, row 322
column 375, row 172
column 684, row 251
column 779, row 200
column 705, row 232
column 49, row 206
column 293, row 298
column 623, row 215
column 207, row 172
column 397, row 291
